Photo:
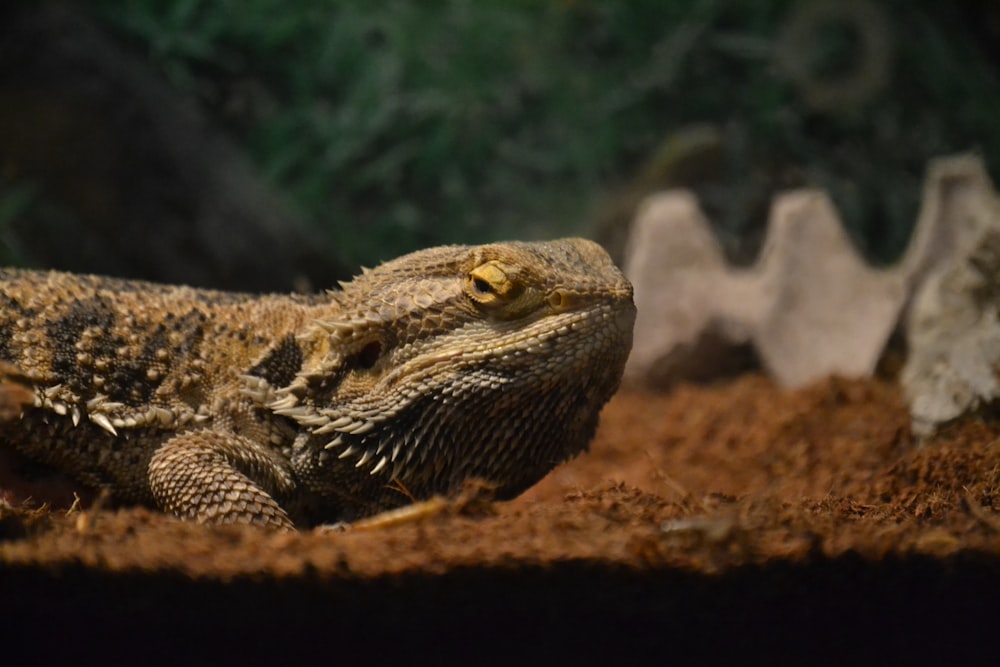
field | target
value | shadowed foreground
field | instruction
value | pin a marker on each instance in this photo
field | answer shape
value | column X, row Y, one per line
column 723, row 522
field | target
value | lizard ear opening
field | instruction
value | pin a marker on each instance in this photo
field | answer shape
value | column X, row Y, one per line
column 369, row 354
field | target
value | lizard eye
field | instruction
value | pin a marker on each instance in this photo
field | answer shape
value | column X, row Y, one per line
column 481, row 286
column 491, row 283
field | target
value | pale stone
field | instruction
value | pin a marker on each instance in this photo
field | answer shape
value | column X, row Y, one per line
column 953, row 332
column 810, row 307
column 829, row 312
column 684, row 279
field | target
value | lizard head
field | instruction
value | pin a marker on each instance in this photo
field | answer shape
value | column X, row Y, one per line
column 461, row 362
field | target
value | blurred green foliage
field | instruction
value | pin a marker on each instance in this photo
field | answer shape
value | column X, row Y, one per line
column 396, row 124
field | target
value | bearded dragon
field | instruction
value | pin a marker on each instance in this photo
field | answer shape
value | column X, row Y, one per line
column 454, row 363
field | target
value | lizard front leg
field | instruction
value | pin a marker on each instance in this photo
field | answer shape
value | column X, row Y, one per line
column 216, row 477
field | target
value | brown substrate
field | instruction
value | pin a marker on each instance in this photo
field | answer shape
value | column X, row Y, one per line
column 735, row 521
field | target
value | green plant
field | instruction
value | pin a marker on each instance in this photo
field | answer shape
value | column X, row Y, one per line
column 399, row 124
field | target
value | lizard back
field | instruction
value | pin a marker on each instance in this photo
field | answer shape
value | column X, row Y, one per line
column 118, row 366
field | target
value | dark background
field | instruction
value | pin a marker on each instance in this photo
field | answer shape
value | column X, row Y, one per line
column 267, row 145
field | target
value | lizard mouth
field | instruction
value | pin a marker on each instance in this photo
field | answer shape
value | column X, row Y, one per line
column 581, row 331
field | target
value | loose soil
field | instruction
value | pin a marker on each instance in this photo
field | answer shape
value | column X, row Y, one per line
column 737, row 521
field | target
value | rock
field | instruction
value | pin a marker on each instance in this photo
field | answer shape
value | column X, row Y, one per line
column 689, row 304
column 811, row 306
column 953, row 332
column 828, row 312
column 694, row 308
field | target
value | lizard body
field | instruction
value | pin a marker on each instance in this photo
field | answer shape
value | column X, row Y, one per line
column 447, row 364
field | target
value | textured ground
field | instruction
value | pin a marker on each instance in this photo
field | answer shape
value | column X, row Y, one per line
column 721, row 522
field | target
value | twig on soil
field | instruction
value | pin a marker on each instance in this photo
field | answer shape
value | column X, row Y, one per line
column 977, row 511
column 474, row 499
column 75, row 507
column 666, row 479
column 85, row 519
column 407, row 514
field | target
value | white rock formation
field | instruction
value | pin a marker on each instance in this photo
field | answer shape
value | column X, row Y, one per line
column 810, row 306
column 953, row 328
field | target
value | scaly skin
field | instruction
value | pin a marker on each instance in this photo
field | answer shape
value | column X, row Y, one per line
column 447, row 364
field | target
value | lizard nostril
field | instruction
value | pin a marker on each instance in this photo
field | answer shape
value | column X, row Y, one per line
column 560, row 300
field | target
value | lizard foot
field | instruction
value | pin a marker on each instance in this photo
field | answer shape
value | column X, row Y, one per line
column 215, row 477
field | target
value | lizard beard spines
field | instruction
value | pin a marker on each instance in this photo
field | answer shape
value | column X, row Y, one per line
column 357, row 432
